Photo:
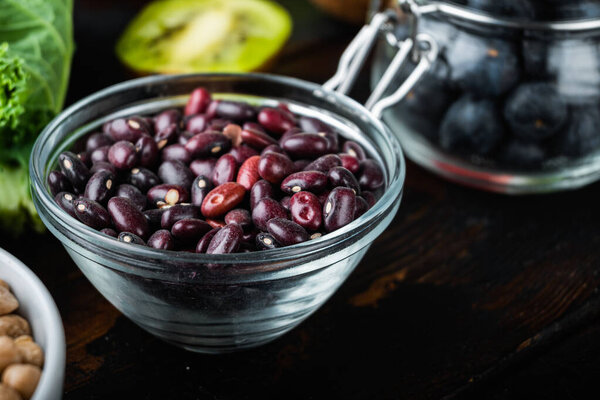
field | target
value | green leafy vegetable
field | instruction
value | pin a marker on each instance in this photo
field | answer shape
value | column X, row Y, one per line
column 36, row 47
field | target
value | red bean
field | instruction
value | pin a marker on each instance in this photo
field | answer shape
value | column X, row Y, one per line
column 305, row 209
column 242, row 153
column 200, row 188
column 248, row 173
column 100, row 154
column 166, row 136
column 223, row 198
column 274, row 167
column 123, row 155
column 197, row 124
column 153, row 216
column 208, row 145
column 130, row 238
column 219, row 124
column 65, row 201
column 203, row 167
column 189, row 229
column 369, row 197
column 272, row 148
column 127, row 217
column 338, row 210
column 266, row 241
column 235, row 111
column 287, row 232
column 203, row 243
column 289, row 133
column 166, row 118
column 215, row 223
column 142, row 178
column 354, row 149
column 312, row 181
column 285, row 202
column 234, row 133
column 305, row 145
column 260, row 190
column 225, row 170
column 239, row 216
column 97, row 140
column 176, row 152
column 199, row 99
column 100, row 187
column 170, row 194
column 178, row 212
column 162, row 240
column 58, row 182
column 257, row 139
column 184, row 137
column 176, row 173
column 276, row 120
column 91, row 213
column 350, row 162
column 324, row 163
column 110, row 232
column 371, row 175
column 265, row 210
column 103, row 166
column 332, row 139
column 361, row 207
column 75, row 170
column 340, row 176
column 147, row 150
column 313, row 125
column 253, row 125
column 300, row 165
column 127, row 129
column 226, row 240
column 84, row 156
column 132, row 193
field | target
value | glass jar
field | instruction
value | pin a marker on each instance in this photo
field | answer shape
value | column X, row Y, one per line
column 511, row 102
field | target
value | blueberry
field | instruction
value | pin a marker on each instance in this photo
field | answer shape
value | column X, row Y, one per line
column 504, row 8
column 520, row 154
column 483, row 66
column 581, row 135
column 535, row 111
column 471, row 126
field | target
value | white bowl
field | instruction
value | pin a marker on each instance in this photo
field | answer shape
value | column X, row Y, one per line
column 38, row 307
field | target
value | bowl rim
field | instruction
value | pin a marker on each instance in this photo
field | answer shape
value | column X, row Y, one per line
column 392, row 192
column 55, row 348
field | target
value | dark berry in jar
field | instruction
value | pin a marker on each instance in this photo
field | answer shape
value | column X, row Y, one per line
column 266, row 241
column 190, row 229
column 242, row 153
column 286, row 232
column 338, row 210
column 97, row 140
column 257, row 139
column 178, row 212
column 324, row 163
column 235, row 111
column 274, row 167
column 74, row 170
column 227, row 240
column 485, row 67
column 58, row 182
column 198, row 102
column 203, row 167
column 260, row 190
column 65, row 201
column 225, row 170
column 203, row 243
column 142, row 178
column 91, row 213
column 306, row 210
column 354, row 149
column 123, row 155
column 132, row 193
column 176, row 173
column 581, row 135
column 340, row 176
column 209, row 144
column 100, row 187
column 265, row 210
column 239, row 216
column 520, row 154
column 276, row 120
column 371, row 175
column 305, row 145
column 131, row 238
column 222, row 199
column 162, row 240
column 535, row 111
column 471, row 126
column 147, row 150
column 167, row 193
column 312, row 181
column 127, row 217
column 248, row 174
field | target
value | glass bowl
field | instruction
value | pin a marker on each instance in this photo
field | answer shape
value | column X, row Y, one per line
column 243, row 300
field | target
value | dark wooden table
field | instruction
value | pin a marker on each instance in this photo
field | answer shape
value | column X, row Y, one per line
column 466, row 295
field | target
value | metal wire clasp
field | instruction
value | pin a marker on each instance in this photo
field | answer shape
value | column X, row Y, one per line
column 422, row 47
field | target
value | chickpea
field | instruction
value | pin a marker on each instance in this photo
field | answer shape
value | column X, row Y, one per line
column 23, row 378
column 8, row 393
column 9, row 352
column 30, row 351
column 8, row 302
column 14, row 326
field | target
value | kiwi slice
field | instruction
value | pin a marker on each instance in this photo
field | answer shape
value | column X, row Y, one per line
column 179, row 36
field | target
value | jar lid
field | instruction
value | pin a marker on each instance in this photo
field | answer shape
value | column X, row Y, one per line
column 533, row 10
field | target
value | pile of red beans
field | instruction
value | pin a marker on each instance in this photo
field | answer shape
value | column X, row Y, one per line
column 220, row 177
